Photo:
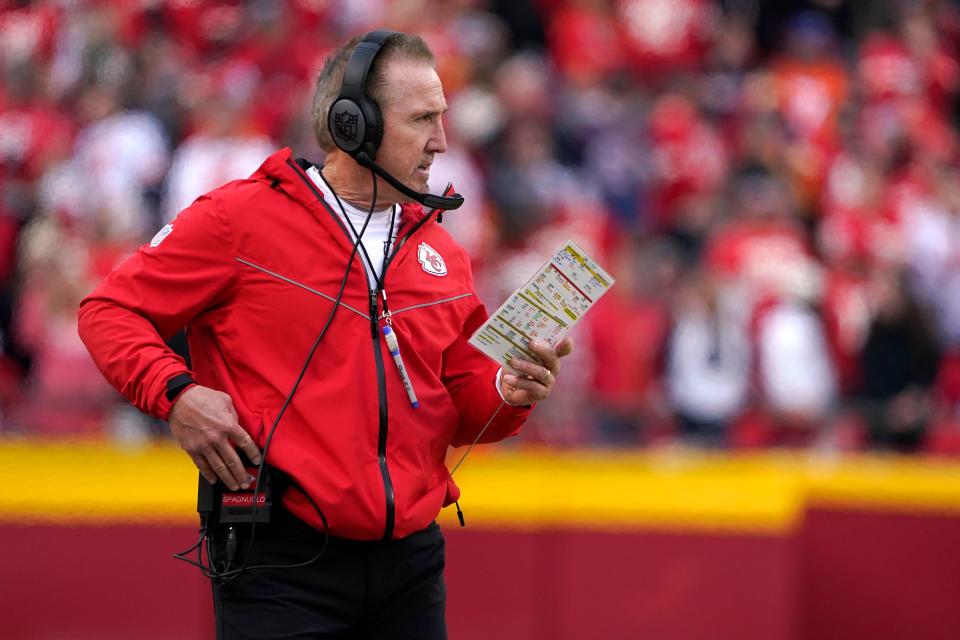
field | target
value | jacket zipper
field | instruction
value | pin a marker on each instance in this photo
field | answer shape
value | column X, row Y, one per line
column 382, row 434
column 378, row 356
column 382, row 384
column 381, row 374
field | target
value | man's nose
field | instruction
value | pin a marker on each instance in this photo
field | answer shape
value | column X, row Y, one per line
column 438, row 140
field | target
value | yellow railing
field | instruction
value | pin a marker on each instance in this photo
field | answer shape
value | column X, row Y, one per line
column 87, row 482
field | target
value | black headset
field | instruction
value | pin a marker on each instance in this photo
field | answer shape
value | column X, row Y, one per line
column 356, row 124
column 354, row 120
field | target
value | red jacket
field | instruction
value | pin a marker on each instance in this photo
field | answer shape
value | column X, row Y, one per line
column 251, row 269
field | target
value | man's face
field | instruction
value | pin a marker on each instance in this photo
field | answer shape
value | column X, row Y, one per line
column 413, row 131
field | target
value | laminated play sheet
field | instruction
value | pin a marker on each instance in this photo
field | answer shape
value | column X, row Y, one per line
column 545, row 308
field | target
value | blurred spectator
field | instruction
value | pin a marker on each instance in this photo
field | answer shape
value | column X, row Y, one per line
column 854, row 231
column 527, row 184
column 583, row 43
column 796, row 375
column 762, row 256
column 761, row 250
column 688, row 158
column 709, row 362
column 224, row 145
column 933, row 251
column 119, row 161
column 899, row 365
column 604, row 135
column 811, row 82
column 65, row 394
column 733, row 49
column 811, row 86
column 628, row 331
column 665, row 36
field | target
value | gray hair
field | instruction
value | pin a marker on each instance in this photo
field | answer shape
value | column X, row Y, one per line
column 400, row 46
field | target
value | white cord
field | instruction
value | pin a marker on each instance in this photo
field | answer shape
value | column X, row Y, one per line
column 477, row 439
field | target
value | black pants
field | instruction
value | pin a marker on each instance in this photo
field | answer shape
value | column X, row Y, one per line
column 356, row 590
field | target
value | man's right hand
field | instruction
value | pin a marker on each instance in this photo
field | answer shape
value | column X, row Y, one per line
column 205, row 424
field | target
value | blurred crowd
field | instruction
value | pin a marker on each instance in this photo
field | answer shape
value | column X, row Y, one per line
column 775, row 186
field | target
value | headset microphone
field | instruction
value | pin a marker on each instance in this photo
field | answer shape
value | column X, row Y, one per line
column 428, row 200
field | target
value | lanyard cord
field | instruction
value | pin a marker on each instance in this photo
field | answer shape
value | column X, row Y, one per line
column 477, row 439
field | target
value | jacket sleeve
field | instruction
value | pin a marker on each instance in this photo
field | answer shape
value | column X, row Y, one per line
column 183, row 277
column 470, row 378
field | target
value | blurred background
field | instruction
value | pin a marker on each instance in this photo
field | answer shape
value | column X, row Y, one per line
column 775, row 186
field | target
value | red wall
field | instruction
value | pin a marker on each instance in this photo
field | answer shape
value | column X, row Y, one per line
column 843, row 575
column 870, row 575
column 104, row 583
column 557, row 585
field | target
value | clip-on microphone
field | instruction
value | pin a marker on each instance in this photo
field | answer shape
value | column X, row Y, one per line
column 444, row 203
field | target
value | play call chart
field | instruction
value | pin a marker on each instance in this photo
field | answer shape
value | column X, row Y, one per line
column 546, row 307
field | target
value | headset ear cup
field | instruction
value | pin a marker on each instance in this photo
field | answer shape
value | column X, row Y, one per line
column 347, row 125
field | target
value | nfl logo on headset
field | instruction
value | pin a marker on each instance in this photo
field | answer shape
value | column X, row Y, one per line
column 430, row 260
column 346, row 124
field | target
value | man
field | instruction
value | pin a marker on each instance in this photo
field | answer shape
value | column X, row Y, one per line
column 253, row 270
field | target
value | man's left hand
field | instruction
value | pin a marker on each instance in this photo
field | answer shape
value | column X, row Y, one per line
column 537, row 378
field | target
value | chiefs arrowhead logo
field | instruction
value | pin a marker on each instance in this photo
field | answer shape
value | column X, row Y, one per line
column 430, row 260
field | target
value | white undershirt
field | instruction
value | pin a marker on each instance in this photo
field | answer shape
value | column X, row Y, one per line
column 375, row 236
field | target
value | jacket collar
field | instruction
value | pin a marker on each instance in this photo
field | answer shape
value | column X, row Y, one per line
column 290, row 174
column 283, row 172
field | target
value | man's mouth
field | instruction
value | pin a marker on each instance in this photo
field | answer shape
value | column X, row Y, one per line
column 424, row 168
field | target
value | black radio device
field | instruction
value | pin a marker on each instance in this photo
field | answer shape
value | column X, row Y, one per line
column 220, row 505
